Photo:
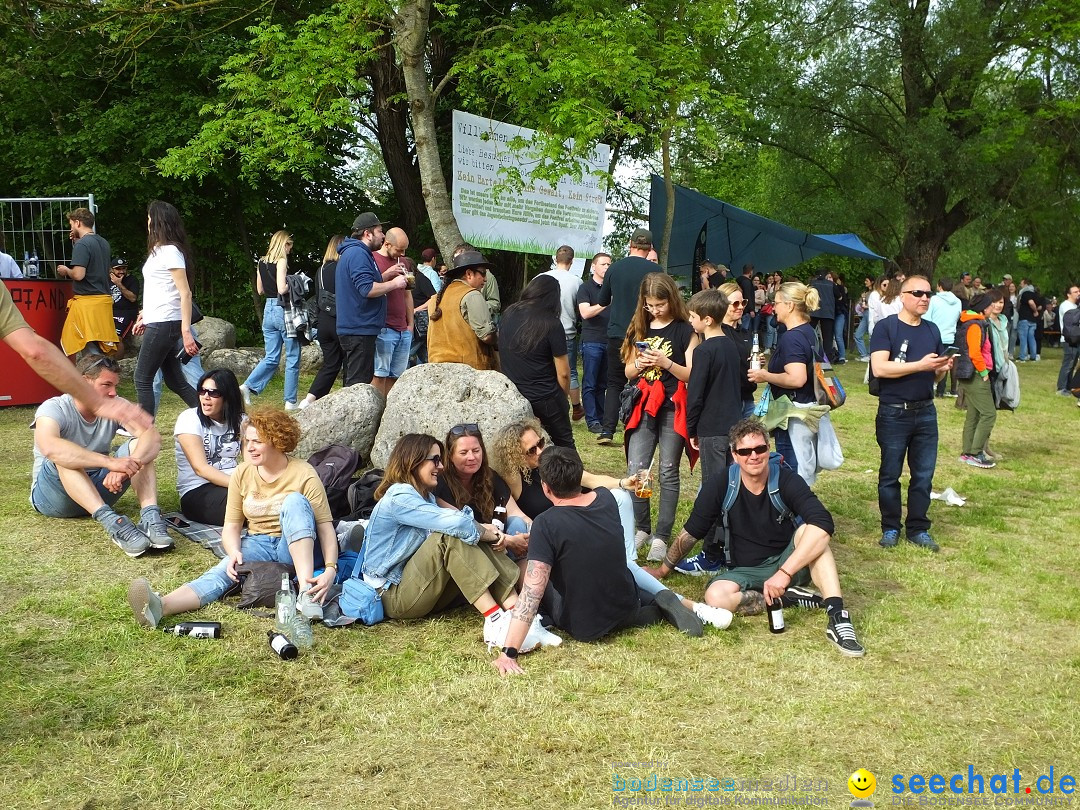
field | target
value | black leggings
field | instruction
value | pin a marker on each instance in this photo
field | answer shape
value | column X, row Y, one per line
column 158, row 351
column 206, row 504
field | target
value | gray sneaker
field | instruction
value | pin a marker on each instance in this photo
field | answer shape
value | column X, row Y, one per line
column 308, row 607
column 145, row 603
column 158, row 531
column 127, row 535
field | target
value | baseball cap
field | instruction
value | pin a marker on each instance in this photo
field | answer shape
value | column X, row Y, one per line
column 642, row 238
column 366, row 222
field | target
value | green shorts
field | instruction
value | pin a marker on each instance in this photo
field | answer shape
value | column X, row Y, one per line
column 752, row 578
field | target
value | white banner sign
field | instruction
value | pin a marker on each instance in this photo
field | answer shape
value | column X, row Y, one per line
column 537, row 220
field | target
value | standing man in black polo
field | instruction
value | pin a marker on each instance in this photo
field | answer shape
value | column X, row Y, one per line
column 619, row 293
column 907, row 356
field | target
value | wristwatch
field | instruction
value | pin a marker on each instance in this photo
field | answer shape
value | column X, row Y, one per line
column 510, row 652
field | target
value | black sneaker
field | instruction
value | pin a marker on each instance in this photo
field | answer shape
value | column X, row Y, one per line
column 802, row 597
column 676, row 613
column 840, row 632
column 604, row 438
column 925, row 540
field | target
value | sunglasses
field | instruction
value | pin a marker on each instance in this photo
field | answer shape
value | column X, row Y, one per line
column 919, row 293
column 213, row 393
column 105, row 362
column 761, row 450
column 536, row 448
column 435, row 459
column 468, row 429
column 738, row 304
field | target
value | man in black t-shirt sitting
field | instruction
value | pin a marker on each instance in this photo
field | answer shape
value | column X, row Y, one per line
column 773, row 556
column 577, row 571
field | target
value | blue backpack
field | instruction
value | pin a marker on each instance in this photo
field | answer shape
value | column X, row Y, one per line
column 732, row 492
column 358, row 599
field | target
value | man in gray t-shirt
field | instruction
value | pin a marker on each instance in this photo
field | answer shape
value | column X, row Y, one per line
column 90, row 312
column 75, row 475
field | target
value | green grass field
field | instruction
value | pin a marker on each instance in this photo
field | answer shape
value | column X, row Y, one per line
column 972, row 659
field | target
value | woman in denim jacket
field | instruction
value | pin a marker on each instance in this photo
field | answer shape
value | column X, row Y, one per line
column 423, row 558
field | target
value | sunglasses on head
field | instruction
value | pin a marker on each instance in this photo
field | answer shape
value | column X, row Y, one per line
column 467, row 429
column 106, row 363
column 760, row 449
column 213, row 393
column 536, row 448
column 919, row 293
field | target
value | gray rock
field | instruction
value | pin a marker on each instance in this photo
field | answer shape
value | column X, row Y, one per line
column 239, row 361
column 348, row 416
column 215, row 333
column 127, row 366
column 433, row 397
column 310, row 358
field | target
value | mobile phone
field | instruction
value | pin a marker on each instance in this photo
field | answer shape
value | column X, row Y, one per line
column 951, row 351
column 641, row 345
column 179, row 523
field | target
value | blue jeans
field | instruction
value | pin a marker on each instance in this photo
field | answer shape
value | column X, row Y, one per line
column 572, row 344
column 645, row 582
column 1025, row 334
column 1068, row 363
column 273, row 327
column 861, row 331
column 297, row 523
column 192, row 369
column 838, row 334
column 914, row 434
column 594, row 360
column 640, row 450
column 48, row 496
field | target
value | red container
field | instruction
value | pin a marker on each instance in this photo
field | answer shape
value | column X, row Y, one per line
column 43, row 303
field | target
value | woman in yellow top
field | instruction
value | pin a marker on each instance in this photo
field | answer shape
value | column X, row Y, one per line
column 284, row 505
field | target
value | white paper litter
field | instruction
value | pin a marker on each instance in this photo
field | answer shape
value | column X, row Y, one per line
column 949, row 496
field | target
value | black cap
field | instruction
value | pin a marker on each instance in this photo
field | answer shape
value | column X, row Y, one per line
column 470, row 260
column 366, row 222
column 118, row 262
column 642, row 238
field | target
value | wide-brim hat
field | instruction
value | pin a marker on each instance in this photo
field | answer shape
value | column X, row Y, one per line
column 471, row 260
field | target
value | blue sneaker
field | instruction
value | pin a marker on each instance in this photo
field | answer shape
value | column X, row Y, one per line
column 889, row 538
column 925, row 540
column 699, row 565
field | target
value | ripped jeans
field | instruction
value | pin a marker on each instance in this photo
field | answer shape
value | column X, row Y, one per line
column 640, row 450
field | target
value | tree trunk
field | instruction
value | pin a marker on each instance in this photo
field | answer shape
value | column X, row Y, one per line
column 669, row 190
column 411, row 38
column 392, row 120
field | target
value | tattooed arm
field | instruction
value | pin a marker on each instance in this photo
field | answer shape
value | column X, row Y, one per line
column 528, row 603
column 676, row 551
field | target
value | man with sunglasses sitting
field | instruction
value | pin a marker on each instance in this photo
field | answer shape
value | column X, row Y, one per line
column 908, row 359
column 75, row 475
column 774, row 554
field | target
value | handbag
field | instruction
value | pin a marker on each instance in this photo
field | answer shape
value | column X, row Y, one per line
column 361, row 601
column 628, row 400
column 827, row 387
column 260, row 582
column 196, row 313
column 327, row 301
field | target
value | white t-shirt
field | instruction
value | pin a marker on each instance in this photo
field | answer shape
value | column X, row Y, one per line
column 568, row 287
column 9, row 268
column 1063, row 307
column 161, row 299
column 221, row 446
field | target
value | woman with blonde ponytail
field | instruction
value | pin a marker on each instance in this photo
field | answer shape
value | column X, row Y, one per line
column 791, row 367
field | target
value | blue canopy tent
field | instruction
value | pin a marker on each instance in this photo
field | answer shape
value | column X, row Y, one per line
column 705, row 228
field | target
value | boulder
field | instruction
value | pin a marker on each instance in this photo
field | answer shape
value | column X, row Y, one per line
column 127, row 366
column 433, row 397
column 310, row 358
column 215, row 333
column 348, row 416
column 239, row 361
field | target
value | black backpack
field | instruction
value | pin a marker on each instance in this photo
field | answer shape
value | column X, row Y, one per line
column 1070, row 326
column 362, row 494
column 335, row 465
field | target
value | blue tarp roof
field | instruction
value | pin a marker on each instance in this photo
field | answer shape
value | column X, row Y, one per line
column 707, row 229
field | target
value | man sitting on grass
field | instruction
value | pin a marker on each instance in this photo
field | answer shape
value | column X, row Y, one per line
column 74, row 474
column 577, row 570
column 773, row 555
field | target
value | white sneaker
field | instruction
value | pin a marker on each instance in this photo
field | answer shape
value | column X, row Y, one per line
column 640, row 539
column 717, row 617
column 308, row 607
column 291, row 406
column 495, row 628
column 539, row 635
column 304, row 403
column 657, row 551
column 245, row 392
column 127, row 434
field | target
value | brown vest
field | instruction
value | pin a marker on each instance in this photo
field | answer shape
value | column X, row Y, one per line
column 450, row 339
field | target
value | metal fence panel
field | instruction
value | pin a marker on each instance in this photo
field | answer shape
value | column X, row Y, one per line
column 38, row 227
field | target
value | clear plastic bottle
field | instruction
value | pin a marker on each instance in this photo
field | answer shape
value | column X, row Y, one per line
column 285, row 606
column 32, row 270
column 902, row 356
column 299, row 632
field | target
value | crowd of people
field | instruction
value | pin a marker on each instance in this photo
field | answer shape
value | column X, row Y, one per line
column 525, row 535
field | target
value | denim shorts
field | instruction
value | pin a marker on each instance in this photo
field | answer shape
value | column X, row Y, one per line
column 48, row 496
column 392, row 352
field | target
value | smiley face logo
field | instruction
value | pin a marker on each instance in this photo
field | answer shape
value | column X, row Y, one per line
column 862, row 783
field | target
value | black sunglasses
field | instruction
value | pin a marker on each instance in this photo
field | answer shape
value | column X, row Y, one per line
column 536, row 448
column 435, row 459
column 760, row 449
column 105, row 362
column 467, row 429
column 213, row 393
column 919, row 293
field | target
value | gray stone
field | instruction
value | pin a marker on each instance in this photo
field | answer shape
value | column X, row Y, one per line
column 127, row 366
column 239, row 361
column 215, row 333
column 433, row 397
column 348, row 416
column 310, row 358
